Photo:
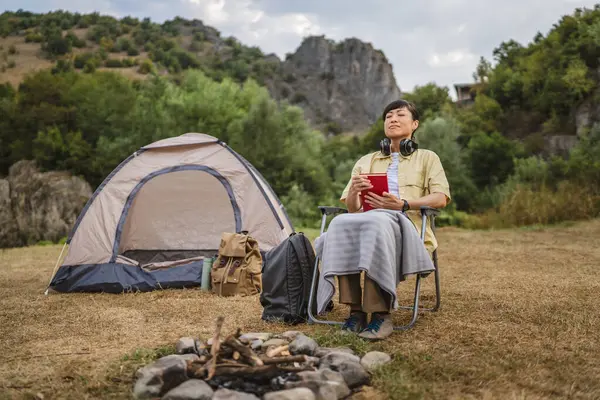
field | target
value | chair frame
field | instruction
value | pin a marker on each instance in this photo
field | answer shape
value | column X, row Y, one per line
column 425, row 212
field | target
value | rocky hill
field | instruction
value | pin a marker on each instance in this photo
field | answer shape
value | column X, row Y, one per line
column 342, row 87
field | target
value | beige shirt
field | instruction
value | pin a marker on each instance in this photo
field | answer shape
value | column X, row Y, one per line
column 419, row 174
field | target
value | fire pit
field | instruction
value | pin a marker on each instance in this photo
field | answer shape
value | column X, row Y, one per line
column 254, row 366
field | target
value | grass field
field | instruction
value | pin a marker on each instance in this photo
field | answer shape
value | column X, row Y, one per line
column 519, row 320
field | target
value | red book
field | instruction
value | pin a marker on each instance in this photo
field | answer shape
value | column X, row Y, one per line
column 380, row 185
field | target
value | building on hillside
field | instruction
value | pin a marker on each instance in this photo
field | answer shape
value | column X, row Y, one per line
column 465, row 94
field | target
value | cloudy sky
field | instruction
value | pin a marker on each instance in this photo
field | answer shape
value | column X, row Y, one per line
column 425, row 40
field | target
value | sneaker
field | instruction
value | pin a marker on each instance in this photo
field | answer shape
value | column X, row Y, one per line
column 381, row 327
column 356, row 322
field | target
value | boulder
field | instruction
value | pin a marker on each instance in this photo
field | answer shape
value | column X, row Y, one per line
column 41, row 205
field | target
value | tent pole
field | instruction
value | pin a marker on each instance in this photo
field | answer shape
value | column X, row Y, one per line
column 55, row 268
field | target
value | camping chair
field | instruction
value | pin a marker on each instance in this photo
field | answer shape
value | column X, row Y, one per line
column 425, row 212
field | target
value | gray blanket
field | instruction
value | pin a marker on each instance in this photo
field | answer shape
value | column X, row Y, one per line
column 382, row 243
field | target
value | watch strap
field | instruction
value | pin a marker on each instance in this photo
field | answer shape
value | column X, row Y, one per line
column 405, row 206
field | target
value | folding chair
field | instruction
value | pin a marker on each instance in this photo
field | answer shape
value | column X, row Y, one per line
column 425, row 212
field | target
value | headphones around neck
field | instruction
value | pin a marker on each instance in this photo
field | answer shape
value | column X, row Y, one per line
column 407, row 147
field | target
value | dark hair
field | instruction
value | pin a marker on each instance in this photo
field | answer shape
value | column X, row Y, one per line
column 394, row 105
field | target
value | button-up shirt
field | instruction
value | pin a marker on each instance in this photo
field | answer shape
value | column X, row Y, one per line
column 419, row 174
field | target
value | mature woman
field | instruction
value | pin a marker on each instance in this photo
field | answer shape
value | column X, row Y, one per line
column 383, row 243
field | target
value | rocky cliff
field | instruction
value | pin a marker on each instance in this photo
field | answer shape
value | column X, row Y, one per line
column 37, row 206
column 342, row 87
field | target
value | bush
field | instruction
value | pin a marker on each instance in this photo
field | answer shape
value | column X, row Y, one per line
column 113, row 63
column 523, row 205
column 146, row 67
column 34, row 37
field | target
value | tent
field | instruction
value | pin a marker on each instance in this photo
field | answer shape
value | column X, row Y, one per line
column 155, row 218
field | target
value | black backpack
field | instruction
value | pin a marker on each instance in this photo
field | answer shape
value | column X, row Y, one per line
column 287, row 275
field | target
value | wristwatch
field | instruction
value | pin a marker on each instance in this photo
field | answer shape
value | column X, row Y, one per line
column 406, row 206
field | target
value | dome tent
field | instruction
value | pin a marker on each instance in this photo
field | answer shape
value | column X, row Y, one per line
column 158, row 214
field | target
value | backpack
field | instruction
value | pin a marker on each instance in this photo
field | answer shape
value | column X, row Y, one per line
column 237, row 268
column 287, row 276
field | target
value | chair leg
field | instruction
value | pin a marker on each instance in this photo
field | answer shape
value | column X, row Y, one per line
column 415, row 308
column 436, row 275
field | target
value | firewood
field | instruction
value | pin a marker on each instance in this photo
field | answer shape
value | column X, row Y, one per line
column 257, row 372
column 246, row 352
column 236, row 355
column 284, row 360
column 214, row 348
column 277, row 350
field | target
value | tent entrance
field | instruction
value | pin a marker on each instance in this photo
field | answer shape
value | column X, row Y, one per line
column 176, row 214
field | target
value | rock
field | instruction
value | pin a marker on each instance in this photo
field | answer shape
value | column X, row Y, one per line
column 185, row 345
column 227, row 394
column 374, row 359
column 340, row 86
column 313, row 360
column 193, row 389
column 303, row 345
column 325, row 383
column 323, row 351
column 348, row 365
column 256, row 344
column 250, row 336
column 200, row 347
column 41, row 205
column 335, row 357
column 274, row 343
column 291, row 394
column 164, row 374
column 9, row 230
column 290, row 335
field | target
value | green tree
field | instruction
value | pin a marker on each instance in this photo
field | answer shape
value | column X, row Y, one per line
column 429, row 99
column 491, row 159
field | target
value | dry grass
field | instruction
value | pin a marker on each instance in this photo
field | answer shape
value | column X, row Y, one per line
column 27, row 60
column 519, row 320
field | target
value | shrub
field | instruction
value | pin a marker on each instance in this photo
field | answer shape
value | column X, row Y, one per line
column 146, row 67
column 34, row 37
column 525, row 205
column 113, row 63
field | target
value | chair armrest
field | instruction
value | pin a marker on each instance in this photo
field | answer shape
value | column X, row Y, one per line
column 429, row 211
column 325, row 210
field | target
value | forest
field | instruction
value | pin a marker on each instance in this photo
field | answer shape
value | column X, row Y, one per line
column 84, row 120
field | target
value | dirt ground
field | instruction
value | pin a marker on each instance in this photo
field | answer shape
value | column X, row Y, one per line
column 519, row 320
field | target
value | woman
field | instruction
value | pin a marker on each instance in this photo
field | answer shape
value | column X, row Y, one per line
column 371, row 239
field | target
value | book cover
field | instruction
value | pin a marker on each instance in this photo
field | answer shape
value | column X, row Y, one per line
column 380, row 185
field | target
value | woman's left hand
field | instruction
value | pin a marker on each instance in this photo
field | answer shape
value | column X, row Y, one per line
column 387, row 201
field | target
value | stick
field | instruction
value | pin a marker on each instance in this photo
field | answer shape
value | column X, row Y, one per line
column 244, row 351
column 284, row 360
column 214, row 348
column 263, row 372
column 277, row 350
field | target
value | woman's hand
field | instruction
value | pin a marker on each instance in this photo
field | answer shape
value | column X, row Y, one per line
column 387, row 201
column 359, row 183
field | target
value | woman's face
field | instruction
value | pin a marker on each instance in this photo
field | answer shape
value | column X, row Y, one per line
column 399, row 124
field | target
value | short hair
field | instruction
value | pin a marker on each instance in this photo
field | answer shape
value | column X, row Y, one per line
column 394, row 105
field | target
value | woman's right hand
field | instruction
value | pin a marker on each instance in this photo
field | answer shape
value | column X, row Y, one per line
column 359, row 183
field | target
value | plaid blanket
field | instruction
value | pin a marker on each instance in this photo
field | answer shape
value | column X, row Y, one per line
column 382, row 243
